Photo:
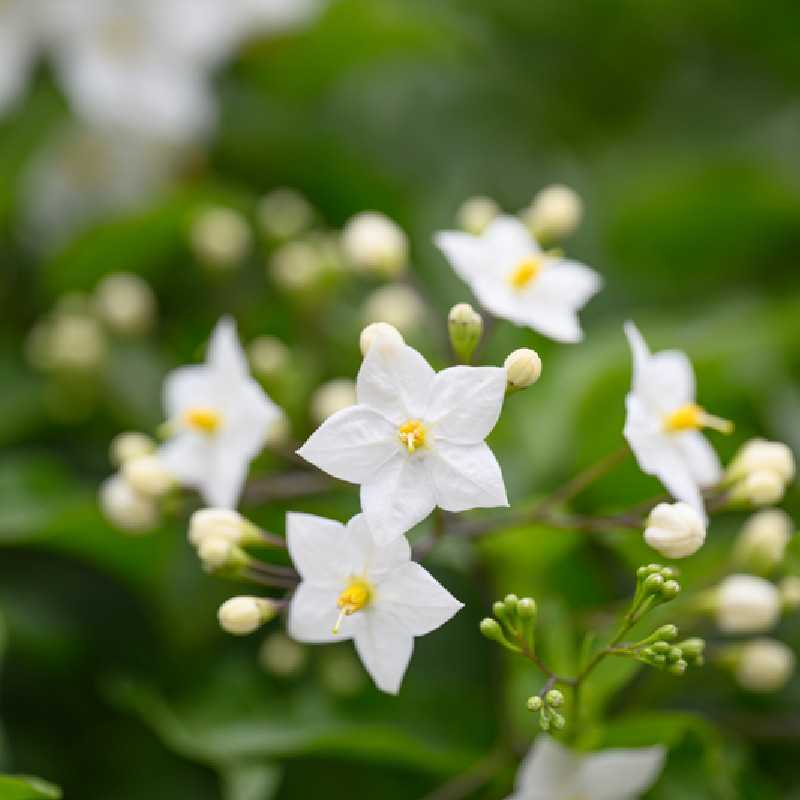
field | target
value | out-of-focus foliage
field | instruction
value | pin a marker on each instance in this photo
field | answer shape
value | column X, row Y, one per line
column 677, row 122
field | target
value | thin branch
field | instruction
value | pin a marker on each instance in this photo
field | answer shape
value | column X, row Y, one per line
column 287, row 486
column 470, row 781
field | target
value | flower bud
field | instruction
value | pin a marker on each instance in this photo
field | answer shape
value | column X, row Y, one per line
column 670, row 590
column 397, row 304
column 223, row 523
column 126, row 508
column 789, row 589
column 675, row 530
column 220, row 237
column 535, row 703
column 653, row 583
column 465, row 327
column 268, row 355
column 282, row 656
column 74, row 342
column 746, row 604
column 555, row 212
column 376, row 330
column 667, row 632
column 331, row 397
column 125, row 446
column 523, row 368
column 678, row 667
column 554, row 698
column 490, row 628
column 296, row 266
column 373, row 242
column 148, row 475
column 764, row 665
column 219, row 554
column 476, row 214
column 526, row 608
column 242, row 615
column 284, row 213
column 760, row 488
column 557, row 720
column 762, row 542
column 126, row 303
column 760, row 454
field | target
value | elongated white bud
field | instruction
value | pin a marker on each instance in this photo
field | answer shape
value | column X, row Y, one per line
column 764, row 665
column 371, row 241
column 223, row 523
column 476, row 214
column 757, row 455
column 746, row 604
column 244, row 614
column 126, row 508
column 762, row 543
column 675, row 530
column 555, row 212
column 523, row 368
column 379, row 330
column 148, row 475
column 220, row 237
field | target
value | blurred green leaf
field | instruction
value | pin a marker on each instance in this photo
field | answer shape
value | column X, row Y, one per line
column 251, row 781
column 18, row 787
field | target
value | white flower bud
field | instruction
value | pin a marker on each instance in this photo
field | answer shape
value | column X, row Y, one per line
column 523, row 368
column 268, row 355
column 762, row 543
column 760, row 454
column 75, row 342
column 126, row 303
column 396, row 304
column 331, row 397
column 476, row 214
column 242, row 615
column 789, row 589
column 132, row 444
column 764, row 665
column 126, row 508
column 215, row 552
column 222, row 523
column 373, row 242
column 760, row 488
column 296, row 266
column 675, row 530
column 220, row 237
column 746, row 604
column 148, row 475
column 282, row 656
column 555, row 212
column 379, row 330
column 284, row 213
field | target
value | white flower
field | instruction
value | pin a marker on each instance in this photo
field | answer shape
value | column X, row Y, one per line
column 675, row 530
column 554, row 213
column 514, row 279
column 284, row 213
column 372, row 241
column 127, row 508
column 663, row 422
column 244, row 614
column 747, row 604
column 415, row 439
column 552, row 772
column 269, row 355
column 353, row 588
column 764, row 665
column 762, row 543
column 220, row 418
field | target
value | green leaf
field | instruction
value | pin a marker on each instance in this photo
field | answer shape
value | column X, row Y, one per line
column 20, row 787
column 251, row 781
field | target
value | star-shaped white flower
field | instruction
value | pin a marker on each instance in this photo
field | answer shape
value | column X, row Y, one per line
column 663, row 423
column 514, row 279
column 415, row 438
column 353, row 588
column 220, row 417
column 552, row 772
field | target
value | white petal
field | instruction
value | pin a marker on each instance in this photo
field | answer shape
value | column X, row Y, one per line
column 226, row 477
column 319, row 549
column 466, row 476
column 464, row 252
column 621, row 774
column 567, row 284
column 375, row 560
column 313, row 613
column 548, row 772
column 701, row 457
column 225, row 355
column 188, row 456
column 188, row 387
column 507, row 240
column 397, row 496
column 352, row 444
column 385, row 649
column 465, row 402
column 395, row 380
column 416, row 599
column 248, row 420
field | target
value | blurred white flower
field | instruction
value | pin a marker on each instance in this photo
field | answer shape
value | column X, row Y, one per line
column 762, row 543
column 126, row 303
column 373, row 242
column 514, row 279
column 550, row 771
column 126, row 508
column 675, row 530
column 297, row 265
column 219, row 416
column 764, row 665
column 554, row 213
column 663, row 423
column 353, row 588
column 67, row 342
column 746, row 604
column 397, row 304
column 415, row 439
column 281, row 656
column 331, row 397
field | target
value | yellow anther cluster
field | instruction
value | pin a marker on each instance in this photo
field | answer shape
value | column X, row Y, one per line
column 412, row 435
column 203, row 419
column 356, row 595
column 692, row 417
column 525, row 272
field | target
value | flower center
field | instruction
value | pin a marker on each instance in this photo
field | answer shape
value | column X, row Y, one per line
column 525, row 272
column 412, row 435
column 692, row 417
column 356, row 595
column 203, row 419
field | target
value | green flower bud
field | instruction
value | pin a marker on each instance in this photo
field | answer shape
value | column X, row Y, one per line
column 674, row 654
column 668, row 632
column 669, row 572
column 678, row 668
column 558, row 720
column 526, row 608
column 670, row 589
column 490, row 628
column 535, row 703
column 653, row 583
column 693, row 647
column 554, row 698
column 510, row 602
column 659, row 660
column 660, row 647
column 465, row 327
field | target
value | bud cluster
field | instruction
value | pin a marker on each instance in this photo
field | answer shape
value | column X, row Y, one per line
column 513, row 624
column 655, row 584
column 220, row 535
column 546, row 705
column 760, row 472
column 675, row 658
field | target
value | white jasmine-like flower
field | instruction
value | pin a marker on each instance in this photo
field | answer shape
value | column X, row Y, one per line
column 476, row 214
column 747, row 604
column 127, row 508
column 523, row 367
column 375, row 329
column 353, row 588
column 762, row 543
column 675, row 530
column 371, row 241
column 663, row 422
column 553, row 772
column 515, row 279
column 284, row 213
column 331, row 397
column 132, row 444
column 554, row 213
column 244, row 614
column 126, row 303
column 268, row 355
column 415, row 439
column 396, row 304
column 764, row 665
column 148, row 474
column 219, row 417
column 220, row 237
column 789, row 589
column 224, row 523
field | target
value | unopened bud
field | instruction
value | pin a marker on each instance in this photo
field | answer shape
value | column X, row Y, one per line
column 465, row 327
column 148, row 475
column 126, row 508
column 789, row 589
column 220, row 237
column 222, row 523
column 331, row 397
column 762, row 542
column 759, row 454
column 243, row 615
column 476, row 214
column 379, row 330
column 653, row 583
column 126, row 303
column 373, row 242
column 397, row 304
column 535, row 703
column 284, row 213
column 526, row 608
column 670, row 589
column 126, row 446
column 268, row 355
column 667, row 632
column 675, row 530
column 679, row 667
column 557, row 720
column 296, row 266
column 554, row 213
column 523, row 368
column 764, row 665
column 693, row 648
column 760, row 488
column 490, row 628
column 554, row 698
column 746, row 604
column 219, row 554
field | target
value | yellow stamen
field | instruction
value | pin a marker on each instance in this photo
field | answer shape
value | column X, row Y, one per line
column 355, row 596
column 525, row 272
column 692, row 417
column 203, row 419
column 412, row 435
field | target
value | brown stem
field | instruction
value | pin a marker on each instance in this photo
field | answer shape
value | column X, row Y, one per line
column 286, row 486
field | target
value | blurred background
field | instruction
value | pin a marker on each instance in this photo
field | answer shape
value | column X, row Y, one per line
column 151, row 142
